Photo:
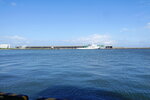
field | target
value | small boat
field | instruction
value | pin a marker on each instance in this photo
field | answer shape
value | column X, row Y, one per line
column 92, row 46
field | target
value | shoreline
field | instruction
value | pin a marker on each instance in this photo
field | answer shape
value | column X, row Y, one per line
column 131, row 48
column 71, row 48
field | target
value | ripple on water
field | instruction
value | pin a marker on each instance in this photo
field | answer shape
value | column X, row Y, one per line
column 77, row 74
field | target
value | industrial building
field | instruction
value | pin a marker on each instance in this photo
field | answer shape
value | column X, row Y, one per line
column 4, row 46
column 109, row 47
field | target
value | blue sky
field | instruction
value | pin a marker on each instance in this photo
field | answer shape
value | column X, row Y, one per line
column 124, row 23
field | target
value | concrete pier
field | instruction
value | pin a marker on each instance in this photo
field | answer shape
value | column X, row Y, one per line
column 49, row 47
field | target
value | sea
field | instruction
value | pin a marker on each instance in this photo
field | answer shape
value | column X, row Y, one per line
column 108, row 74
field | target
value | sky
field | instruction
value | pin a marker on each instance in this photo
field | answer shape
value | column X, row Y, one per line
column 121, row 23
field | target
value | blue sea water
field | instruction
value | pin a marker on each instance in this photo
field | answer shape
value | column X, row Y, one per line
column 77, row 74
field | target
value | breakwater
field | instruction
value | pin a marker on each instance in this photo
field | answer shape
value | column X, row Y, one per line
column 49, row 47
column 72, row 47
column 58, row 47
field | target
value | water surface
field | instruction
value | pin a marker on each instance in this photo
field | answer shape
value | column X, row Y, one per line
column 77, row 74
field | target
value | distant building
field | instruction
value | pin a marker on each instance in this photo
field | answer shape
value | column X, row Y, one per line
column 109, row 47
column 21, row 47
column 101, row 46
column 4, row 45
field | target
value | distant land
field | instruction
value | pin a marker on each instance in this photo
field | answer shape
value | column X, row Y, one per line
column 67, row 47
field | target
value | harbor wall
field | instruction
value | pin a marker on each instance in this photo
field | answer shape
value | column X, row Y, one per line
column 57, row 47
column 49, row 47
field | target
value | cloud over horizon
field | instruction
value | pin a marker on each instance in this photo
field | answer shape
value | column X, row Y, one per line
column 96, row 39
column 101, row 39
column 15, row 37
column 16, row 40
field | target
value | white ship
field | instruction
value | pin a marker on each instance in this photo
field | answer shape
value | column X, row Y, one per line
column 93, row 46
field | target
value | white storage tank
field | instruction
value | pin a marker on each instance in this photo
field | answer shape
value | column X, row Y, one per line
column 4, row 45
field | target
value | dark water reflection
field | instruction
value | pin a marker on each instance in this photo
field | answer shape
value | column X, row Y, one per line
column 75, row 93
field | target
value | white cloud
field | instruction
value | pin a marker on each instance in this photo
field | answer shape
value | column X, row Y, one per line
column 13, row 4
column 15, row 37
column 148, row 25
column 128, row 30
column 124, row 30
column 14, row 40
column 90, row 39
column 95, row 39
